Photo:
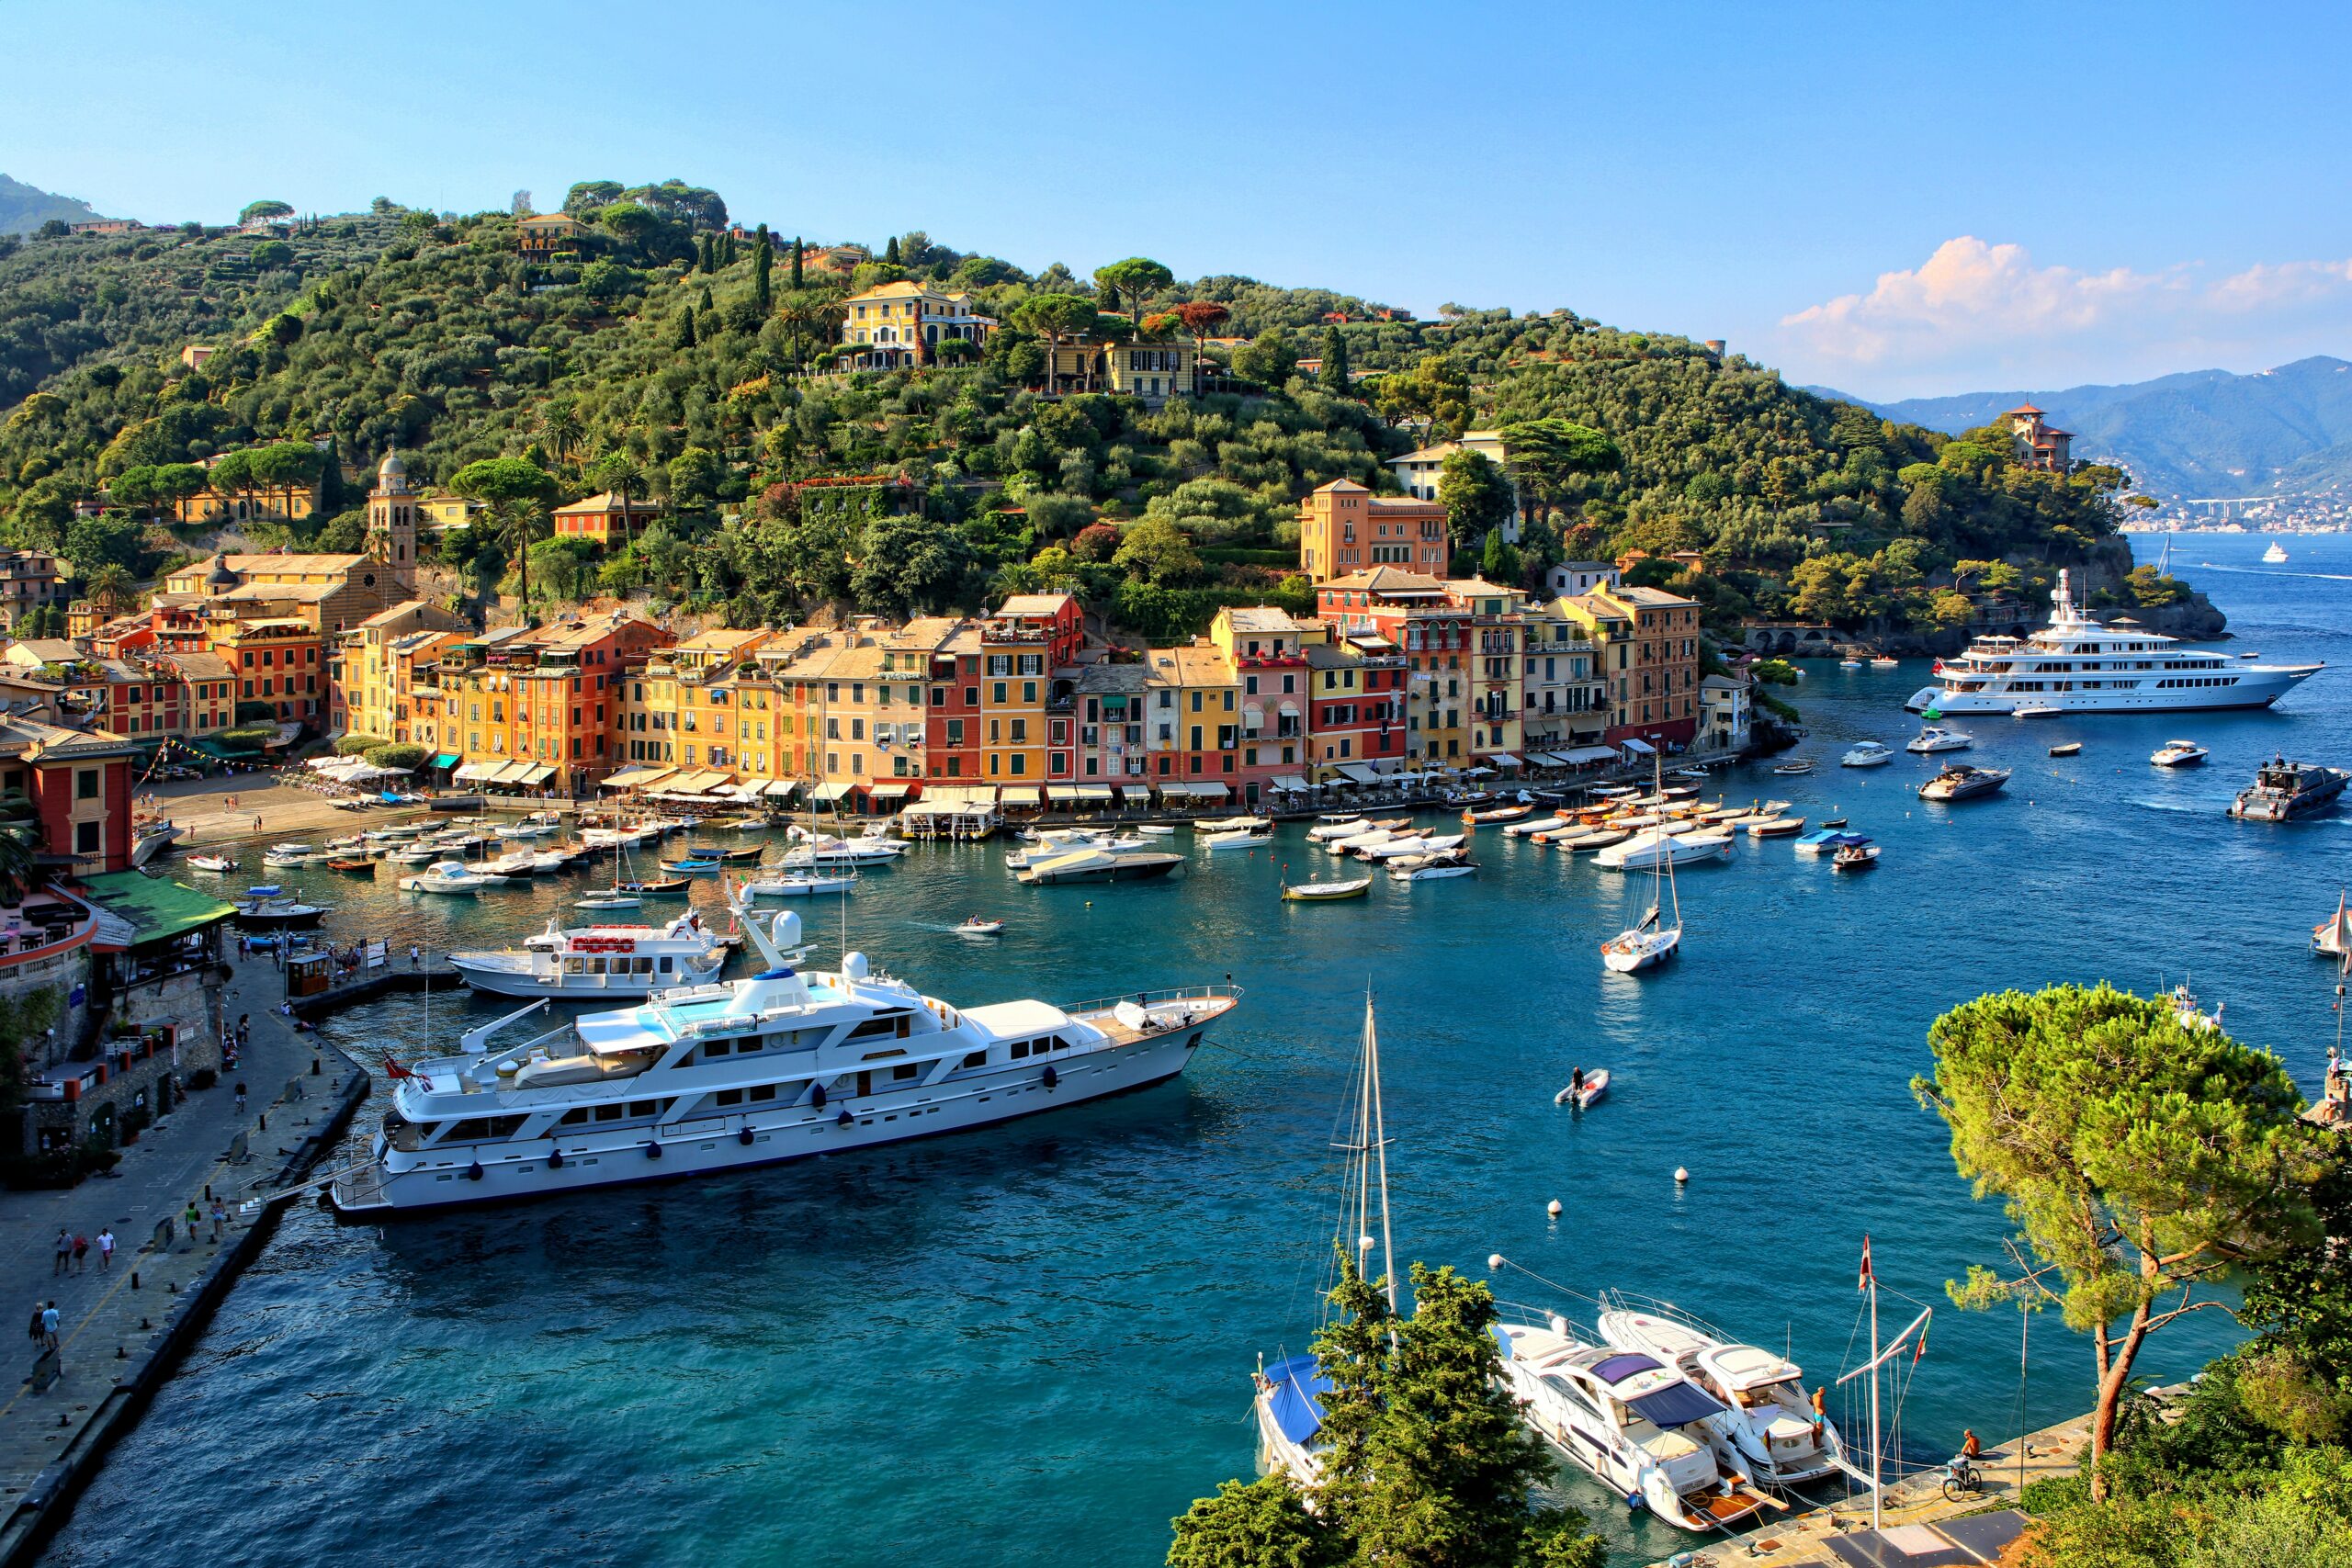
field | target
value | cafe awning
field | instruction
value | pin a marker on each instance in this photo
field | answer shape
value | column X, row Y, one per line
column 1136, row 792
column 446, row 760
column 891, row 790
column 1020, row 794
column 781, row 789
column 1208, row 791
column 1579, row 756
column 1638, row 748
column 1093, row 792
column 1505, row 759
column 1359, row 772
column 637, row 778
column 832, row 790
column 530, row 773
column 697, row 783
column 1291, row 782
column 478, row 773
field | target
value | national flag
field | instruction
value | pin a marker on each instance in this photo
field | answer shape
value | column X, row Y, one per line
column 1921, row 1348
column 1864, row 1284
column 393, row 1069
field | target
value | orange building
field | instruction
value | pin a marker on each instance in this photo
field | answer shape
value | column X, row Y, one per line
column 1028, row 638
column 540, row 708
column 607, row 519
column 1344, row 528
column 281, row 661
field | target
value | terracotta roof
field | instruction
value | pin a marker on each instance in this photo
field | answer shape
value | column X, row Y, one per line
column 605, row 505
column 1389, row 579
column 1342, row 487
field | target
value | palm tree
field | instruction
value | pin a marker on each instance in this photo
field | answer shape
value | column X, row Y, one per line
column 17, row 871
column 108, row 585
column 561, row 424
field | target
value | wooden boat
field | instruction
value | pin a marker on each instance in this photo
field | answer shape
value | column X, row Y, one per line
column 1326, row 892
column 1794, row 765
column 2072, row 748
column 1776, row 828
column 688, row 867
column 1499, row 814
column 357, row 867
column 711, row 852
column 664, row 884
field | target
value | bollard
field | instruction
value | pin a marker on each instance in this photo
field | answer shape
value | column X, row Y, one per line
column 134, row 1278
column 314, row 1067
column 120, row 1354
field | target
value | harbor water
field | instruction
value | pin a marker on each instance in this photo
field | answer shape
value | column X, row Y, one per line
column 1032, row 1345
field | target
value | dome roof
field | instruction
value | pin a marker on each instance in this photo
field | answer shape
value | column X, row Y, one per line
column 221, row 576
column 392, row 472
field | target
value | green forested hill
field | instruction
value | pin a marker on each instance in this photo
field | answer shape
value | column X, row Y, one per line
column 24, row 208
column 670, row 359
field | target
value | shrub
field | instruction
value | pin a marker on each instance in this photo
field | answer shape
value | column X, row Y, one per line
column 400, row 754
column 249, row 737
column 357, row 745
column 203, row 1078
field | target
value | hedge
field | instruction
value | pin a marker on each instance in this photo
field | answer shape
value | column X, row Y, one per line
column 357, row 745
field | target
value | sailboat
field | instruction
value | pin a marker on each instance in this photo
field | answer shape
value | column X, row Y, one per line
column 1648, row 944
column 617, row 899
column 1288, row 1397
column 2332, row 938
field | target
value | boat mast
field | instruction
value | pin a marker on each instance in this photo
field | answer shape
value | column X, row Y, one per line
column 1370, row 1146
column 1878, row 1489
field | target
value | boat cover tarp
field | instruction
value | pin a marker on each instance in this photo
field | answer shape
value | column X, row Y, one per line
column 1676, row 1404
column 1297, row 1382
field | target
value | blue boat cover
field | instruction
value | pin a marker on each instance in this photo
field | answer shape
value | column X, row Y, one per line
column 1614, row 1370
column 1676, row 1404
column 1297, row 1382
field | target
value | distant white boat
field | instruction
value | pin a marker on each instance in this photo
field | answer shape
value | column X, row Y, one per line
column 2275, row 554
column 1869, row 754
column 1932, row 739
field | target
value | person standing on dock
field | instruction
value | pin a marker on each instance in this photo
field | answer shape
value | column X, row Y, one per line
column 64, row 1252
column 220, row 1218
column 192, row 1219
column 81, row 1252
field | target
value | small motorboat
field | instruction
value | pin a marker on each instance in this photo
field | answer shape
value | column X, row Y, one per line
column 212, row 863
column 1232, row 838
column 1883, row 662
column 1499, row 814
column 1829, row 841
column 2179, row 754
column 1326, row 892
column 688, row 867
column 1869, row 754
column 1855, row 857
column 1436, row 868
column 1833, row 821
column 1963, row 782
column 269, row 904
column 657, row 887
column 1156, row 831
column 450, row 876
column 607, row 901
column 1534, row 826
column 1793, row 766
column 1768, row 828
column 1850, row 664
column 2070, row 748
column 355, row 867
column 712, row 851
column 1934, row 739
column 292, row 855
column 1581, row 1094
column 978, row 927
column 2035, row 710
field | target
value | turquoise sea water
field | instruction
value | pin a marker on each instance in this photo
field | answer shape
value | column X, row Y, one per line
column 1032, row 1345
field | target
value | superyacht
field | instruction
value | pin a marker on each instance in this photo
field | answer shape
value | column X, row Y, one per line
column 786, row 1064
column 2076, row 665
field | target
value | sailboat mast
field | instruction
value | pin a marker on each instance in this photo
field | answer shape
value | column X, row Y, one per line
column 1378, row 1132
column 1877, row 1491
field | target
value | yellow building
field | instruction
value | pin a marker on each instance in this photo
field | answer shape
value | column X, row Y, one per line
column 897, row 324
column 544, row 233
column 369, row 678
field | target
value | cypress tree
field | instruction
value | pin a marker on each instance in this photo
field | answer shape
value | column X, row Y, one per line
column 686, row 328
column 763, row 261
column 705, row 298
column 1335, row 361
column 796, row 263
column 704, row 259
column 890, row 252
column 726, row 249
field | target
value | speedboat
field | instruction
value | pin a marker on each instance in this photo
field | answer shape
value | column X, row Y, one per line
column 978, row 927
column 1235, row 825
column 1342, row 827
column 1773, row 827
column 1855, row 857
column 2282, row 791
column 1099, row 865
column 787, row 1065
column 1528, row 829
column 1645, row 849
column 1963, row 782
column 1433, row 867
column 1326, row 892
column 594, row 961
column 212, row 863
column 1233, row 839
column 2179, row 754
column 1644, row 1429
column 1829, row 841
column 292, row 855
column 1868, row 755
column 269, row 904
column 450, row 876
column 1769, row 1429
column 1934, row 739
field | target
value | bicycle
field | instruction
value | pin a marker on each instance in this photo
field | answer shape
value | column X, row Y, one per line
column 1962, row 1478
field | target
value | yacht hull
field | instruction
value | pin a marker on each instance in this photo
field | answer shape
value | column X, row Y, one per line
column 714, row 1145
column 2254, row 689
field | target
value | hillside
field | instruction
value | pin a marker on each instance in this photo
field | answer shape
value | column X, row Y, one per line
column 2200, row 433
column 24, row 208
column 657, row 360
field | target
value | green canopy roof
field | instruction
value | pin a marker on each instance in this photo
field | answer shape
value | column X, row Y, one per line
column 155, row 908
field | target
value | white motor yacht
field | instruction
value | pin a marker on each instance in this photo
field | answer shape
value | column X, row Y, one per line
column 2179, row 754
column 1647, row 849
column 1934, row 738
column 292, row 854
column 450, row 876
column 783, row 1066
column 2079, row 666
column 2275, row 554
column 1866, row 754
column 1769, row 1429
column 1233, row 839
column 595, row 961
column 1640, row 1427
column 1045, row 843
column 1332, row 827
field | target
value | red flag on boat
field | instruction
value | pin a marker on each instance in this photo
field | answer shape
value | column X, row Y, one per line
column 393, row 1069
column 1864, row 1284
column 1921, row 1348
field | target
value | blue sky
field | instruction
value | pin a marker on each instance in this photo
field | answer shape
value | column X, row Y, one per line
column 1893, row 199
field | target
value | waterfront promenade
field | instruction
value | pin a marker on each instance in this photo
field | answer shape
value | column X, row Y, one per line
column 115, row 1331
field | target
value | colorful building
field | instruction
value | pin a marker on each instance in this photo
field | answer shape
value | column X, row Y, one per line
column 606, row 519
column 1417, row 616
column 1344, row 528
column 29, row 580
column 1355, row 708
column 79, row 781
column 894, row 325
column 1645, row 643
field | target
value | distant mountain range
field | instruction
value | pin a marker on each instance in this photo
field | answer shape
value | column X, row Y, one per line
column 2201, row 433
column 24, row 208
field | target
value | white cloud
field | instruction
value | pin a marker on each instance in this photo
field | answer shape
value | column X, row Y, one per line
column 1974, row 309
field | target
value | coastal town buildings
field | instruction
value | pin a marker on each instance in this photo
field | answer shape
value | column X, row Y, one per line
column 29, row 580
column 1645, row 645
column 1344, row 528
column 607, row 519
column 894, row 325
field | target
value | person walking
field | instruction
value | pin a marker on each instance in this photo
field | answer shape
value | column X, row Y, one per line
column 81, row 1252
column 64, row 1252
column 106, row 1249
column 33, row 1327
column 48, row 1321
column 220, row 1218
column 241, row 1094
column 193, row 1218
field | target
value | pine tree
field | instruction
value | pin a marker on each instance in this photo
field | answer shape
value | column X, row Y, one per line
column 763, row 261
column 890, row 252
column 796, row 263
column 1335, row 362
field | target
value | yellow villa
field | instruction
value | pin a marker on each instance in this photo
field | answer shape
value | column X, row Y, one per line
column 893, row 325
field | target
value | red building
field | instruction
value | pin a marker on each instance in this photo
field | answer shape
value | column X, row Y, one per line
column 1356, row 708
column 952, row 720
column 79, row 781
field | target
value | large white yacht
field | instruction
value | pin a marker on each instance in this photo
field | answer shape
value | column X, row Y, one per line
column 720, row 1077
column 591, row 962
column 2077, row 665
column 1769, row 1429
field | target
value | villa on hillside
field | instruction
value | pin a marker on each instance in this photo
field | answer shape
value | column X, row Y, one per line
column 2041, row 445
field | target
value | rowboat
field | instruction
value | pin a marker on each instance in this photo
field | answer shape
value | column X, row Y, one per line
column 1326, row 892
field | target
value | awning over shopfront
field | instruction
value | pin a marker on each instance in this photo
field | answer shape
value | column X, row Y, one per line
column 961, row 798
column 781, row 789
column 1576, row 757
column 890, row 791
column 1292, row 783
column 1135, row 793
column 446, row 760
column 1208, row 791
column 697, row 784
column 529, row 773
column 1093, row 792
column 637, row 778
column 478, row 773
column 1359, row 772
column 1638, row 748
column 1021, row 794
column 832, row 791
column 1505, row 759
